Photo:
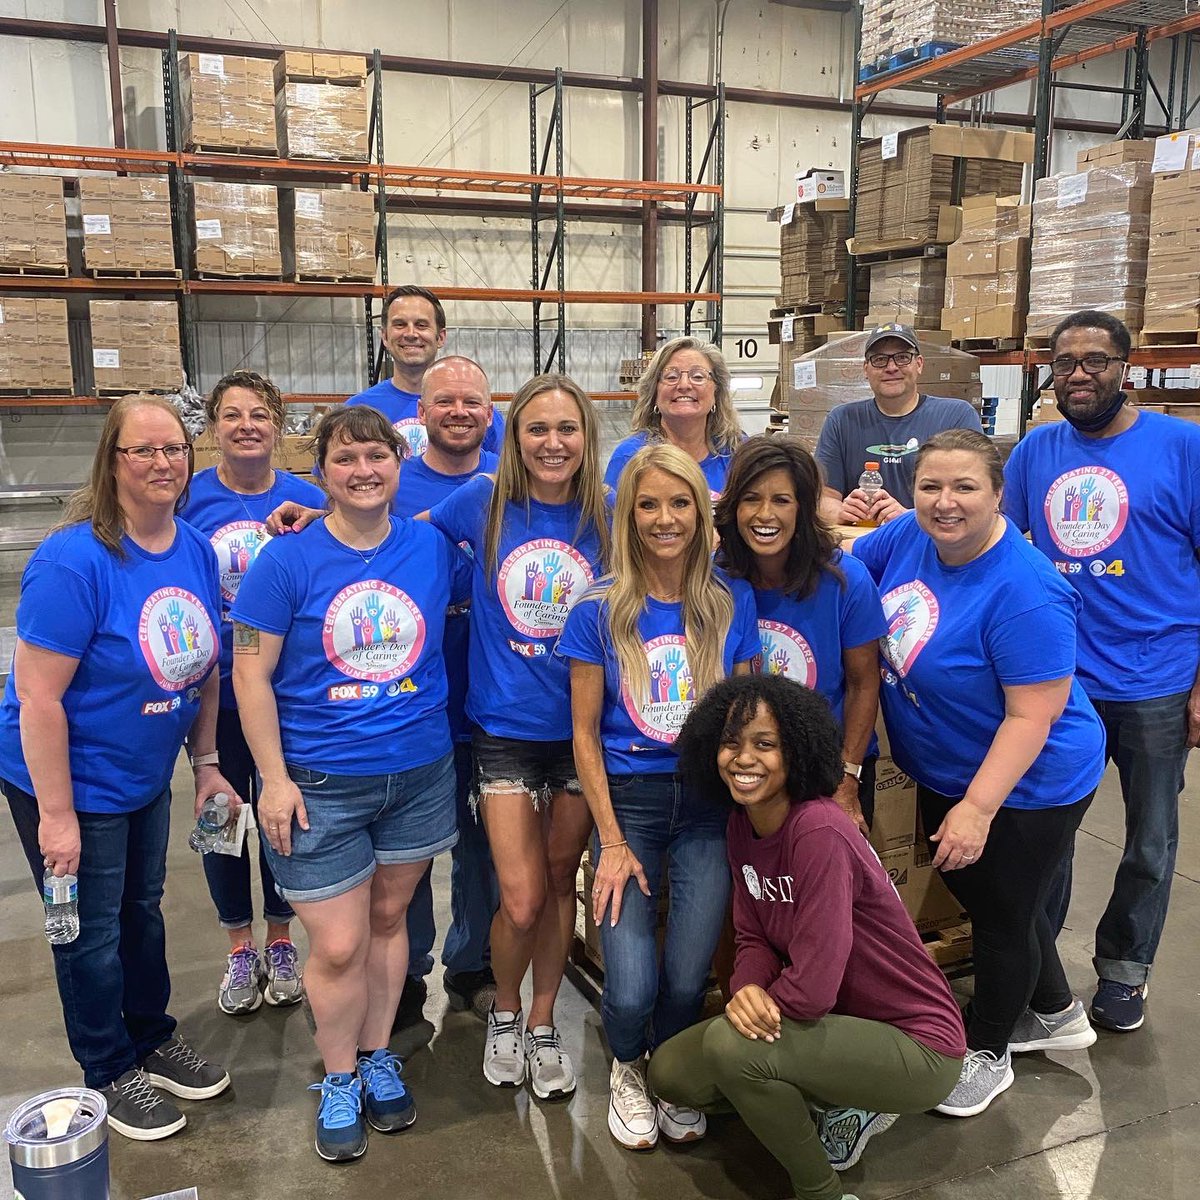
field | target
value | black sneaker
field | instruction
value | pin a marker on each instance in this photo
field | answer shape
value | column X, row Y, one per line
column 177, row 1068
column 471, row 991
column 137, row 1111
column 411, row 1009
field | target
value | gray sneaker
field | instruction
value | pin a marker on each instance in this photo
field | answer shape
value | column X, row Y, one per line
column 284, row 984
column 137, row 1111
column 547, row 1065
column 983, row 1078
column 1070, row 1030
column 177, row 1068
column 844, row 1132
column 241, row 988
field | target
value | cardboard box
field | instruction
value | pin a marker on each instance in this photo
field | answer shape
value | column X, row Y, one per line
column 895, row 823
column 33, row 223
column 126, row 224
column 322, row 120
column 227, row 102
column 817, row 184
column 327, row 233
column 235, row 229
column 894, row 26
column 35, row 352
column 924, row 894
column 135, row 345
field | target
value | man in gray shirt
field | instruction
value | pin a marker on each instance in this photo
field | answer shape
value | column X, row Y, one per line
column 887, row 429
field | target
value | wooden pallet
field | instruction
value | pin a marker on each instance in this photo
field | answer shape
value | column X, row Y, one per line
column 211, row 275
column 1152, row 339
column 951, row 947
column 32, row 269
column 26, row 393
column 248, row 151
column 336, row 80
column 109, row 393
column 885, row 253
column 796, row 310
column 133, row 273
column 298, row 277
column 1137, row 340
column 993, row 345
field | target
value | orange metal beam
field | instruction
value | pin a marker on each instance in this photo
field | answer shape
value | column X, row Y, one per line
column 96, row 158
column 1082, row 11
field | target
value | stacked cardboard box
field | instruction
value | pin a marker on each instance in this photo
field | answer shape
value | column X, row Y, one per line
column 34, row 351
column 327, row 234
column 235, row 229
column 812, row 252
column 908, row 198
column 987, row 270
column 135, row 345
column 1091, row 232
column 909, row 290
column 126, row 224
column 321, row 108
column 893, row 26
column 1173, row 263
column 228, row 103
column 33, row 224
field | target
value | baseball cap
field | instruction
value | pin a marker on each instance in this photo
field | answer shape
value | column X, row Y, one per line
column 905, row 333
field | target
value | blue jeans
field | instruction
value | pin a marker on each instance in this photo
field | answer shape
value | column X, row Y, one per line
column 112, row 980
column 1147, row 739
column 228, row 877
column 473, row 891
column 644, row 1005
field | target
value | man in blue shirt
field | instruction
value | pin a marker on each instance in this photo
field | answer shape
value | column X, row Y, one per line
column 887, row 429
column 413, row 331
column 1112, row 496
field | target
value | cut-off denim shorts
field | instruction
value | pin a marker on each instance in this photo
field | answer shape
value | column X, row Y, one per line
column 540, row 768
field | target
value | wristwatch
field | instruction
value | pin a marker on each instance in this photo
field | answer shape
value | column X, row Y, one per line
column 854, row 769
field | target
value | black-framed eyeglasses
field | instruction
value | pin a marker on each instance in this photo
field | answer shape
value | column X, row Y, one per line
column 696, row 375
column 902, row 358
column 1092, row 364
column 173, row 452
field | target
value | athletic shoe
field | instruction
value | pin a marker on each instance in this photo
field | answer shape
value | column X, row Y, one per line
column 388, row 1105
column 678, row 1124
column 411, row 1009
column 471, row 991
column 1070, row 1030
column 632, row 1116
column 285, row 985
column 341, row 1128
column 550, row 1073
column 503, row 1056
column 1119, row 1006
column 177, row 1068
column 844, row 1133
column 984, row 1076
column 241, row 989
column 137, row 1111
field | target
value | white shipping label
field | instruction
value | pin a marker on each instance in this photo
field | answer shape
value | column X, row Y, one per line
column 787, row 330
column 1171, row 152
column 308, row 93
column 1072, row 190
column 1196, row 155
column 96, row 223
column 208, row 231
column 804, row 374
column 890, row 145
column 789, row 214
column 1194, row 375
column 1137, row 377
column 212, row 64
column 1, row 314
column 108, row 359
column 308, row 204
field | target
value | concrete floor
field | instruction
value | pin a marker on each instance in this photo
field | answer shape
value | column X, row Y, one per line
column 1121, row 1120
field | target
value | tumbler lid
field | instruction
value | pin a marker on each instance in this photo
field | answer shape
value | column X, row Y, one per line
column 57, row 1127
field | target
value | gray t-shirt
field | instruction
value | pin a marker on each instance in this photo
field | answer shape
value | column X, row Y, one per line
column 858, row 432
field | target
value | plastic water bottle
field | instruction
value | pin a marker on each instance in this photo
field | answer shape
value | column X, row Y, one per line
column 61, row 896
column 871, row 482
column 213, row 817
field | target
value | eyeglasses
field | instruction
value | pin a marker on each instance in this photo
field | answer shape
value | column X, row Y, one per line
column 1092, row 364
column 901, row 358
column 173, row 453
column 696, row 375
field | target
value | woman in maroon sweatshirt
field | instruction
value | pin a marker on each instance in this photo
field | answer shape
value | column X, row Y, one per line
column 836, row 1005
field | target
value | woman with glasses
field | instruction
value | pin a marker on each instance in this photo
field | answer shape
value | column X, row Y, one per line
column 116, row 648
column 684, row 399
column 229, row 504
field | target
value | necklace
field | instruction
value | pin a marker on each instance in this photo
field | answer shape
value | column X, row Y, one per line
column 266, row 501
column 374, row 549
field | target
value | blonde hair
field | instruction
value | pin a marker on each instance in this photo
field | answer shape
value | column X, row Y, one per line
column 723, row 430
column 96, row 502
column 512, row 478
column 707, row 601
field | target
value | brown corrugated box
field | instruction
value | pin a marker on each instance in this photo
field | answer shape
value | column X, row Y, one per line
column 327, row 233
column 321, row 107
column 227, row 102
column 126, row 224
column 135, row 345
column 319, row 65
column 35, row 352
column 33, row 223
column 235, row 229
column 909, row 290
column 1173, row 258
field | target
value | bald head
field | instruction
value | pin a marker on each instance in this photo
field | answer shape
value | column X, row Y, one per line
column 457, row 368
column 455, row 406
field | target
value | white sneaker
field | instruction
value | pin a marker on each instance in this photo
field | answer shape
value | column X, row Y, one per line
column 678, row 1124
column 503, row 1057
column 984, row 1076
column 550, row 1072
column 632, row 1117
column 1070, row 1030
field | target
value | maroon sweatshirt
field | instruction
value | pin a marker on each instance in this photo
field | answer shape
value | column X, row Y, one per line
column 822, row 929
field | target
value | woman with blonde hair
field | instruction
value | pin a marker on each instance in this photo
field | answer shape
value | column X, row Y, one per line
column 684, row 398
column 539, row 536
column 653, row 636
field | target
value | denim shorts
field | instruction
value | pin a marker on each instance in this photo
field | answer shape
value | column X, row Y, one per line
column 356, row 821
column 541, row 768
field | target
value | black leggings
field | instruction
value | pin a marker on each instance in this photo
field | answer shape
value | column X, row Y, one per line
column 1016, row 961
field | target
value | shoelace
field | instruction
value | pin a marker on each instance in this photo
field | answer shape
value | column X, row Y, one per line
column 340, row 1102
column 976, row 1060
column 631, row 1091
column 282, row 957
column 546, row 1041
column 180, row 1052
column 241, row 967
column 139, row 1092
column 506, row 1029
column 381, row 1077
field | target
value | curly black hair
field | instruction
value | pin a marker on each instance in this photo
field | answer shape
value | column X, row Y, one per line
column 808, row 733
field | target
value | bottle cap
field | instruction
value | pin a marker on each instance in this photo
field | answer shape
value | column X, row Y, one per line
column 871, row 466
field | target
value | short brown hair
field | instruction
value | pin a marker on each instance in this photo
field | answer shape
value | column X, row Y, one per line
column 971, row 441
column 260, row 385
column 354, row 423
column 411, row 289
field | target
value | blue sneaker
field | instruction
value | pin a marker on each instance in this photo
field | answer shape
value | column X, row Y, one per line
column 1119, row 1006
column 388, row 1103
column 341, row 1129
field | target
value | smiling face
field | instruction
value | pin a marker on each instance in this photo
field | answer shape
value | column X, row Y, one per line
column 158, row 483
column 360, row 476
column 550, row 435
column 410, row 333
column 892, row 384
column 664, row 513
column 751, row 762
column 956, row 503
column 766, row 516
column 1083, row 395
column 243, row 427
column 455, row 407
column 684, row 401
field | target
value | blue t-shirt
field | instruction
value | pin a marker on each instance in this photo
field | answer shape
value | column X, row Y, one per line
column 804, row 639
column 400, row 408
column 1120, row 518
column 234, row 524
column 715, row 466
column 519, row 688
column 361, row 683
column 144, row 629
column 955, row 636
column 640, row 740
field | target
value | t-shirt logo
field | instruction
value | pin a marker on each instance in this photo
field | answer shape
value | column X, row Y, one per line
column 412, row 433
column 911, row 611
column 1086, row 510
column 786, row 652
column 894, row 450
column 237, row 545
column 373, row 631
column 539, row 582
column 177, row 638
column 752, row 884
column 672, row 691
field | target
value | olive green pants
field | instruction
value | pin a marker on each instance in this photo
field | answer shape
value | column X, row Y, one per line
column 836, row 1062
